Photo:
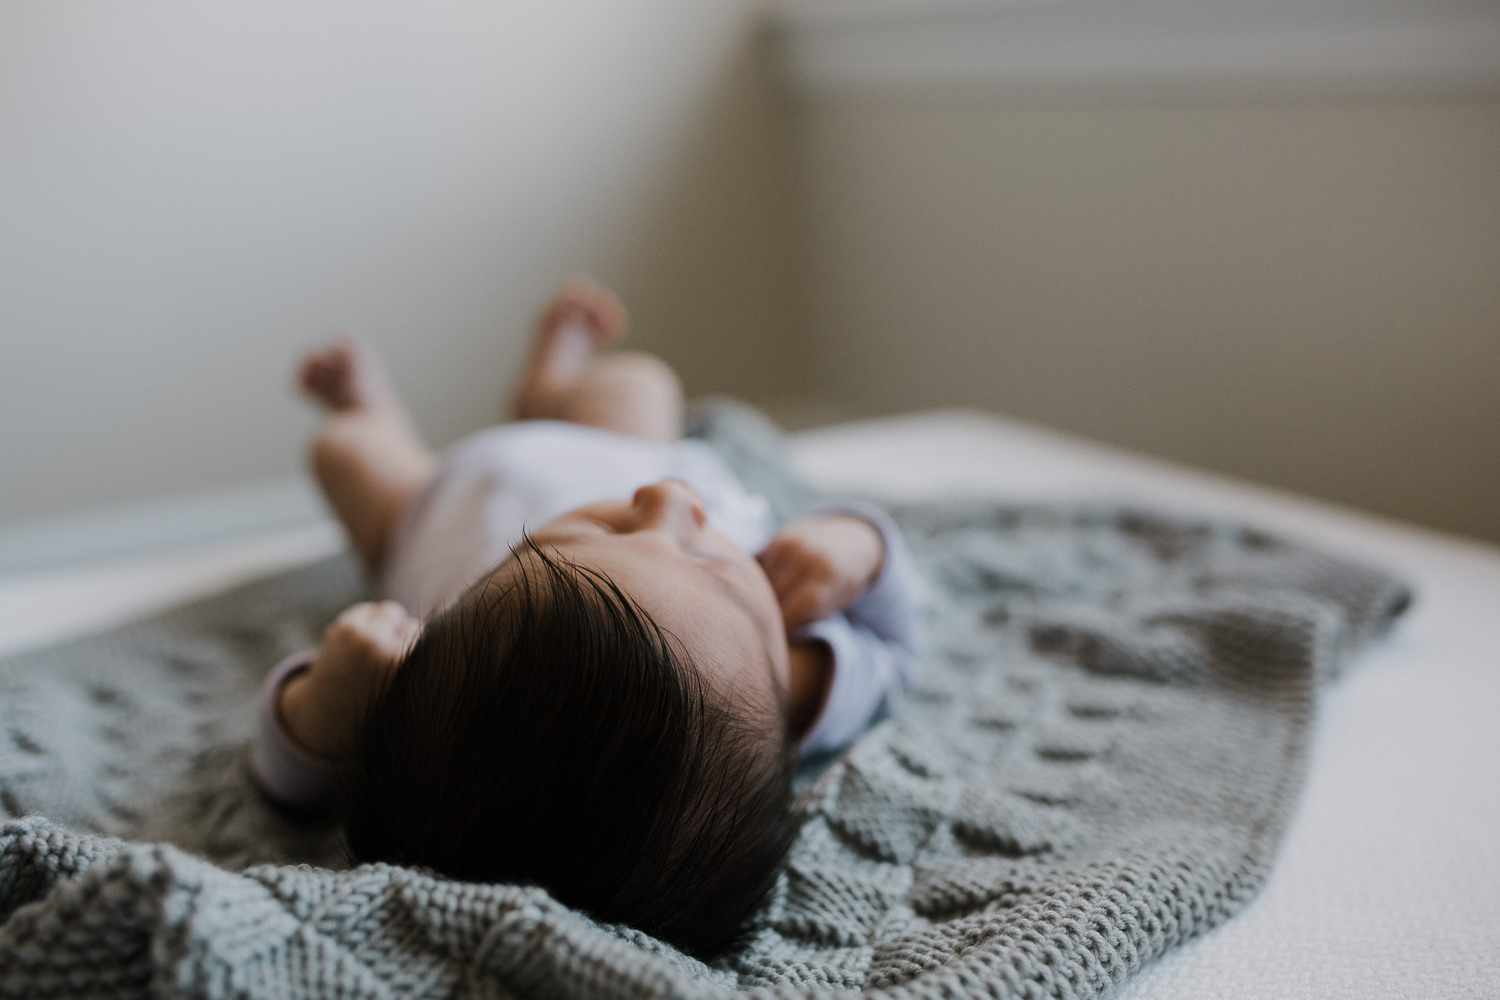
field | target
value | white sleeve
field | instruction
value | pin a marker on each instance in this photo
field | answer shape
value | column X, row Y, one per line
column 873, row 642
column 281, row 769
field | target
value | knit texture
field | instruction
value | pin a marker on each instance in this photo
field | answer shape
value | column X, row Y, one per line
column 1098, row 764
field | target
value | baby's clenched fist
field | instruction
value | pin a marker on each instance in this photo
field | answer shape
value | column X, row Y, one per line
column 818, row 566
column 322, row 707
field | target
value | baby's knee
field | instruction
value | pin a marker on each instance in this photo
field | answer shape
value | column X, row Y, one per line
column 642, row 372
column 334, row 447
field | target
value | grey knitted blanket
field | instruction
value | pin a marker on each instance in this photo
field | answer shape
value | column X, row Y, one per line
column 1099, row 764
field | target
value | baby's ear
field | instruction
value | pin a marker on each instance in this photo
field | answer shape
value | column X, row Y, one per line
column 811, row 667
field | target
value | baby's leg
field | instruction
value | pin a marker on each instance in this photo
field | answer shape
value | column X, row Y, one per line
column 367, row 456
column 565, row 379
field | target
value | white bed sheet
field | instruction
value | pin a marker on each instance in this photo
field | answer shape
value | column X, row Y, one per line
column 1389, row 882
column 1388, row 885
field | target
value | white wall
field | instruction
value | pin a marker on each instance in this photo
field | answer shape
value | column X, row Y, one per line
column 1297, row 287
column 191, row 194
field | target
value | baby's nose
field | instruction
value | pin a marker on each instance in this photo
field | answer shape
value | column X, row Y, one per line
column 671, row 504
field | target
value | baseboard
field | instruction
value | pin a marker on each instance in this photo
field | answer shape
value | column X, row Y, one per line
column 159, row 524
column 1131, row 48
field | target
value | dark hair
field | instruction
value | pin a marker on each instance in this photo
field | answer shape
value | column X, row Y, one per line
column 546, row 730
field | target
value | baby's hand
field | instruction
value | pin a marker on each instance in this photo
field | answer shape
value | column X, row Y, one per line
column 819, row 566
column 322, row 706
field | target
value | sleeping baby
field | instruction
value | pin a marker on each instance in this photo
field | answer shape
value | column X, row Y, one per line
column 596, row 664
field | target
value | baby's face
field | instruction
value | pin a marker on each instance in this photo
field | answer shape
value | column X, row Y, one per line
column 658, row 548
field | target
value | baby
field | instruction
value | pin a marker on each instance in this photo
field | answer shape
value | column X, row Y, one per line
column 596, row 665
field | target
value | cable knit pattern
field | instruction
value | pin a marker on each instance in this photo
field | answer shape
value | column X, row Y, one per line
column 1097, row 765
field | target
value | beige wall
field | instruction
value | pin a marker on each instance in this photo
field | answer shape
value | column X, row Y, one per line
column 1302, row 292
column 191, row 194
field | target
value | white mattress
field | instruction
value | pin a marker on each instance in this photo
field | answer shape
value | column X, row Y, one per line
column 1389, row 883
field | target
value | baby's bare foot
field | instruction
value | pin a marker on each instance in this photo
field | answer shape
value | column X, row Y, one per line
column 582, row 317
column 584, row 306
column 347, row 375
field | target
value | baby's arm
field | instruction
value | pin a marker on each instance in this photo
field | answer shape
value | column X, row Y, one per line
column 312, row 705
column 865, row 643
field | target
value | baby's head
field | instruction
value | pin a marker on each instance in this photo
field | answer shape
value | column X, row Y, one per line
column 605, row 715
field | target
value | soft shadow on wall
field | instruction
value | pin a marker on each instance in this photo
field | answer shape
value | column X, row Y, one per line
column 1290, row 277
column 709, row 269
